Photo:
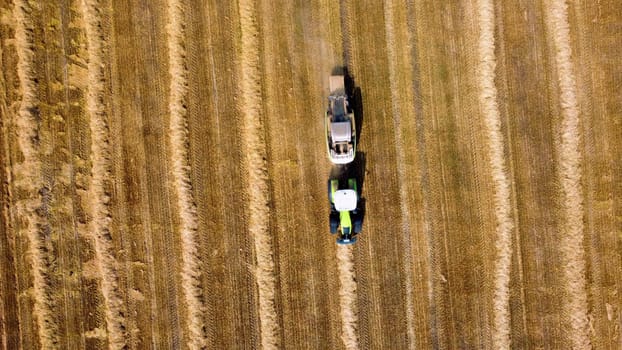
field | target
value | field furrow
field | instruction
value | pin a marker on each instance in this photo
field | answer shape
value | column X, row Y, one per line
column 216, row 152
column 524, row 100
column 187, row 212
column 132, row 224
column 596, row 43
column 253, row 135
column 569, row 174
column 99, row 206
column 8, row 290
column 416, row 151
column 458, row 189
column 401, row 110
column 517, row 321
column 147, row 235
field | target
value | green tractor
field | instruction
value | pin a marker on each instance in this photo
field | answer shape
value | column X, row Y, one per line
column 346, row 218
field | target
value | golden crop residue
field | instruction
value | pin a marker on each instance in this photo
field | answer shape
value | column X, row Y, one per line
column 99, row 200
column 569, row 177
column 498, row 169
column 347, row 297
column 255, row 164
column 191, row 271
column 28, row 177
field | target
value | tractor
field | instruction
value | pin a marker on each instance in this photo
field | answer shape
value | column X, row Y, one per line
column 346, row 217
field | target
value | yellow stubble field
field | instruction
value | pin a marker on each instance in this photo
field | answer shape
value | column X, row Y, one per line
column 164, row 175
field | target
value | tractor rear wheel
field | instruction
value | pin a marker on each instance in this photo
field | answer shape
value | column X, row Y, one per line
column 357, row 224
column 334, row 222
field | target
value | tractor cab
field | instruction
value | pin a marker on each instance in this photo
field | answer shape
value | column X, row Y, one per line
column 345, row 200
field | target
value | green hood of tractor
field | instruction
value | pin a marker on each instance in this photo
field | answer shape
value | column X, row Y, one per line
column 344, row 217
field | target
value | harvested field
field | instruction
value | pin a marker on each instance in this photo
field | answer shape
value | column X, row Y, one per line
column 164, row 175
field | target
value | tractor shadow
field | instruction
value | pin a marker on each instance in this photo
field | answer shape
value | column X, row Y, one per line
column 357, row 170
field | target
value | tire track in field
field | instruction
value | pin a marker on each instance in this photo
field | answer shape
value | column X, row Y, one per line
column 593, row 105
column 8, row 337
column 99, row 198
column 432, row 218
column 419, row 104
column 571, row 244
column 253, row 136
column 191, row 270
column 498, row 167
column 393, row 57
column 27, row 176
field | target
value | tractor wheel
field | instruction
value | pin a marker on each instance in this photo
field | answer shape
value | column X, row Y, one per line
column 334, row 222
column 357, row 224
